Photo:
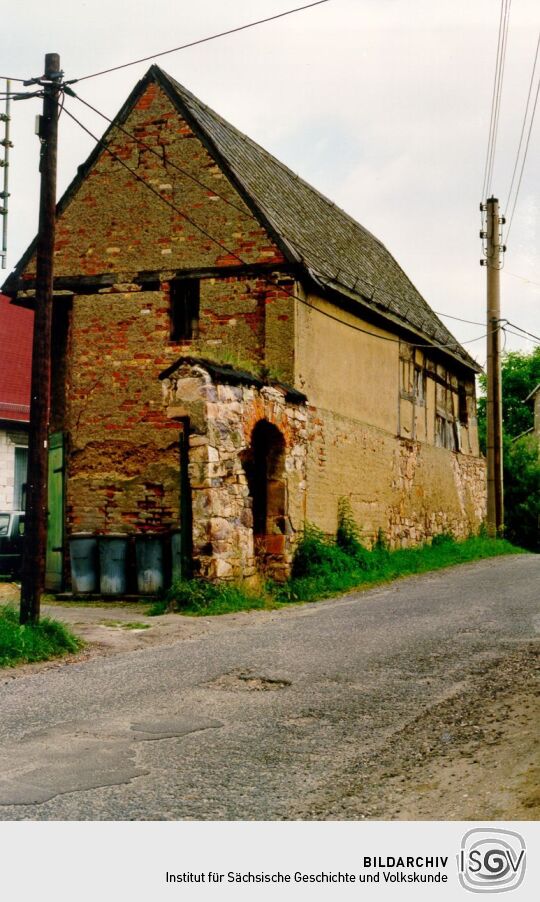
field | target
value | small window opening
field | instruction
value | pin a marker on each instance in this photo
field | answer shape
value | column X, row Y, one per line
column 463, row 410
column 446, row 434
column 419, row 385
column 184, row 309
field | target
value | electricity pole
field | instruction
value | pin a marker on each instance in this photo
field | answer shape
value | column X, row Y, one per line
column 494, row 250
column 35, row 545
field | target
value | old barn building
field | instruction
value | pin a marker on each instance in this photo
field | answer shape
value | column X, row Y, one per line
column 235, row 353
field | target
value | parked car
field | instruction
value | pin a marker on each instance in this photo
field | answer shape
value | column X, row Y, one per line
column 11, row 542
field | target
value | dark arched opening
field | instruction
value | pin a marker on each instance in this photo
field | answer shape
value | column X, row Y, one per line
column 265, row 470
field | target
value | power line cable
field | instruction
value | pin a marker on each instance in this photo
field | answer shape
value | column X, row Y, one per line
column 473, row 322
column 519, row 335
column 531, row 334
column 454, row 345
column 499, row 94
column 500, row 91
column 212, row 37
column 507, row 204
column 523, row 278
column 494, row 95
column 20, row 95
column 523, row 162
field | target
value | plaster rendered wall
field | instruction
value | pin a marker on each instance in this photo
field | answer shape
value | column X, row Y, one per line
column 341, row 368
column 7, row 467
column 410, row 490
column 369, row 441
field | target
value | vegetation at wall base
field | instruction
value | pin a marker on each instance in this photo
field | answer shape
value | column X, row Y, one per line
column 198, row 597
column 336, row 571
column 27, row 644
column 324, row 567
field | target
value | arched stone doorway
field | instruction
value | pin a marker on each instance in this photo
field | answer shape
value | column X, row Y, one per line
column 264, row 464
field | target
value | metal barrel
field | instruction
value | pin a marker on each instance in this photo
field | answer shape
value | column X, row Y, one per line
column 84, row 562
column 112, row 563
column 149, row 558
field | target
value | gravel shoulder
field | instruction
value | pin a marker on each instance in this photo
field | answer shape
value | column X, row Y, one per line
column 475, row 756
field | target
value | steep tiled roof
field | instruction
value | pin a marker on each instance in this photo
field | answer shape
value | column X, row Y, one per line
column 335, row 249
column 15, row 361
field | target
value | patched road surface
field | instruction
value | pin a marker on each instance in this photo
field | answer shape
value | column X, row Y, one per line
column 415, row 700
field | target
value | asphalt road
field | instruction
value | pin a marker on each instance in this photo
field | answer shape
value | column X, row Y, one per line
column 255, row 716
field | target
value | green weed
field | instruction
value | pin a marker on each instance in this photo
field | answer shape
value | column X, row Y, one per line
column 198, row 597
column 327, row 569
column 25, row 644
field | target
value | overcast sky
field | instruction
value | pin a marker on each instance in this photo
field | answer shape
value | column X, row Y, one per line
column 383, row 105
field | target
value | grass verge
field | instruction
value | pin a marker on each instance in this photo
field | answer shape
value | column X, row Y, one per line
column 26, row 644
column 198, row 598
column 325, row 567
column 322, row 569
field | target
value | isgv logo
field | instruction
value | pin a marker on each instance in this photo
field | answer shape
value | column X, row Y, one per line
column 491, row 861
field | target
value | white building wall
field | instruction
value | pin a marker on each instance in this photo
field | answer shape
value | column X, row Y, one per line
column 9, row 440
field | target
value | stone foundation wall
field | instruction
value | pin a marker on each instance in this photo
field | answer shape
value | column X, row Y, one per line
column 409, row 490
column 222, row 418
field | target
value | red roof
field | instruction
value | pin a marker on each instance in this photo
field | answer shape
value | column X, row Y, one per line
column 16, row 324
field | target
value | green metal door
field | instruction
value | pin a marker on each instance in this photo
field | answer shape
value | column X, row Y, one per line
column 55, row 522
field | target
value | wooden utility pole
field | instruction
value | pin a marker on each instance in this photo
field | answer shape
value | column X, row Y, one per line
column 494, row 250
column 35, row 545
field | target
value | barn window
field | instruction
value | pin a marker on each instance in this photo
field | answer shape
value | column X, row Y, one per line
column 184, row 309
column 463, row 410
column 446, row 433
column 419, row 385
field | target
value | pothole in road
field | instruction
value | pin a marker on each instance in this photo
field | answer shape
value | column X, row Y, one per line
column 242, row 680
